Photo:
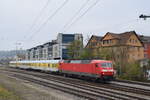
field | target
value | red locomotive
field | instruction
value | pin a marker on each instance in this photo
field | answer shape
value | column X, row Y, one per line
column 95, row 69
column 88, row 69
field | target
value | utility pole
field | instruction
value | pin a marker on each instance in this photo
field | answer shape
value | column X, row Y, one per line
column 17, row 44
column 144, row 16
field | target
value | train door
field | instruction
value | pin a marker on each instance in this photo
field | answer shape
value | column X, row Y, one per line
column 97, row 68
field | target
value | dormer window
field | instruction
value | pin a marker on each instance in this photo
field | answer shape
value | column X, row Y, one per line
column 106, row 41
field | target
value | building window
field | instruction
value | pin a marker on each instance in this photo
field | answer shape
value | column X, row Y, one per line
column 103, row 41
column 130, row 40
column 97, row 43
column 55, row 54
column 56, row 48
column 66, row 38
column 138, row 48
column 65, row 53
column 145, row 55
column 107, row 41
column 133, row 41
column 145, row 46
column 110, row 41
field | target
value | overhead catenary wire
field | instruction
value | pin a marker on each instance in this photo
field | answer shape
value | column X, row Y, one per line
column 78, row 18
column 73, row 17
column 130, row 24
column 49, row 18
column 39, row 15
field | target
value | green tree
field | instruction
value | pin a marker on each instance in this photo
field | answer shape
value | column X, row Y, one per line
column 117, row 54
column 133, row 72
column 87, row 53
column 105, row 53
column 75, row 49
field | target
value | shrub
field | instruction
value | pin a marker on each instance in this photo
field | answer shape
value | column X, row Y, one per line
column 133, row 71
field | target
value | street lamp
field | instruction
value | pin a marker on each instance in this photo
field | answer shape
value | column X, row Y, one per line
column 17, row 44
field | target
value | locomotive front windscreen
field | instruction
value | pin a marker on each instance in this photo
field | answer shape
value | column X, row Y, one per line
column 104, row 65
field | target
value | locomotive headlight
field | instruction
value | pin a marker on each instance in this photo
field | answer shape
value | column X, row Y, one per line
column 111, row 70
column 104, row 70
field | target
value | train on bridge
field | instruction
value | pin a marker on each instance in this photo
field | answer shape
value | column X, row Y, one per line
column 91, row 69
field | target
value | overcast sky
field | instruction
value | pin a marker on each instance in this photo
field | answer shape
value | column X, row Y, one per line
column 18, row 16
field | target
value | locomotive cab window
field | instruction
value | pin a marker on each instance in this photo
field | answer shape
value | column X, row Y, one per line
column 106, row 65
column 96, row 65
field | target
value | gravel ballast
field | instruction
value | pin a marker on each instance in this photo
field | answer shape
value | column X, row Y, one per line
column 30, row 91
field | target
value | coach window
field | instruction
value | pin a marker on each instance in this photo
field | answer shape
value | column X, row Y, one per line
column 48, row 65
column 52, row 65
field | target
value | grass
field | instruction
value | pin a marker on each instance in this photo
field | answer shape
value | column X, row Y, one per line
column 7, row 95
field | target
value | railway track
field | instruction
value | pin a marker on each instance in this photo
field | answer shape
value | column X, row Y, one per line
column 110, row 86
column 133, row 82
column 94, row 90
column 70, row 90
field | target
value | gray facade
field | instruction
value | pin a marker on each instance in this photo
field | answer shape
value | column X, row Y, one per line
column 32, row 53
column 63, row 41
column 57, row 49
column 27, row 55
column 48, row 50
column 39, row 52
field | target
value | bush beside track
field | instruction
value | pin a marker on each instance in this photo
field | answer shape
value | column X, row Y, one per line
column 7, row 95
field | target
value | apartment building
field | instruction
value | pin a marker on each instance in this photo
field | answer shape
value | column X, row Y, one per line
column 146, row 43
column 125, row 46
column 60, row 50
column 94, row 42
column 48, row 50
column 56, row 49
